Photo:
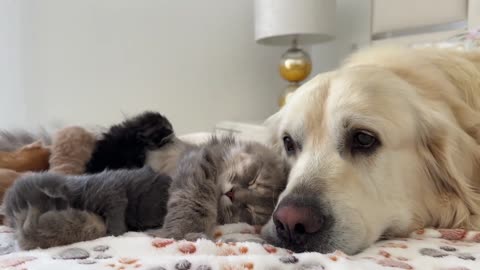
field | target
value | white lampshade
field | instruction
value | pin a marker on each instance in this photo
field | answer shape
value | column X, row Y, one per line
column 278, row 22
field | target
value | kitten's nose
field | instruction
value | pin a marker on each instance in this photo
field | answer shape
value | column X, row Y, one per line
column 293, row 223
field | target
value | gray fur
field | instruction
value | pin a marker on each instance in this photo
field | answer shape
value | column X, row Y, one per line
column 166, row 158
column 58, row 227
column 204, row 175
column 49, row 209
column 45, row 208
column 14, row 139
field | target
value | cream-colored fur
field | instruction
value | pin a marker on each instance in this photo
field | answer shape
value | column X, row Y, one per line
column 72, row 148
column 424, row 106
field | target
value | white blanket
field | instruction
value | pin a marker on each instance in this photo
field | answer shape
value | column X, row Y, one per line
column 425, row 249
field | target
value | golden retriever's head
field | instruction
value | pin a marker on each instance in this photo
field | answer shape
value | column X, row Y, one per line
column 371, row 156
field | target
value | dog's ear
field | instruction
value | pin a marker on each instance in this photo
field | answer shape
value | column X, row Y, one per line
column 272, row 125
column 314, row 90
column 452, row 163
column 468, row 119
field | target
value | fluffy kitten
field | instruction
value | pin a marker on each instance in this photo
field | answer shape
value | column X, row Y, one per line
column 71, row 149
column 122, row 146
column 221, row 181
column 125, row 145
column 11, row 140
column 49, row 209
column 32, row 157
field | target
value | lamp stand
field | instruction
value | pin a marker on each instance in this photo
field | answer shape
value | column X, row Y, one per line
column 295, row 66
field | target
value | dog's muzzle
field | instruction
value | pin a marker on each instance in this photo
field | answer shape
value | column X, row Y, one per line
column 298, row 219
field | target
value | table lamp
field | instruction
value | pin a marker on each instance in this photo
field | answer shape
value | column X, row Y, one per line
column 294, row 23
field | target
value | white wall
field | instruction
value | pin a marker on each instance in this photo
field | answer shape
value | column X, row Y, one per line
column 352, row 32
column 90, row 62
column 12, row 100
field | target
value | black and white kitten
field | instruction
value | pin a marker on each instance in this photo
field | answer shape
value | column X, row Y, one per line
column 126, row 145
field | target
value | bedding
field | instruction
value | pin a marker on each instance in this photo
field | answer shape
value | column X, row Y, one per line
column 238, row 247
column 465, row 41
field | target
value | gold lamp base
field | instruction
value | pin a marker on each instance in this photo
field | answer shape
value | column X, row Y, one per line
column 295, row 66
column 283, row 99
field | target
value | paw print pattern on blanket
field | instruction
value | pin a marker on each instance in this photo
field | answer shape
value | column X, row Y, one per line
column 423, row 250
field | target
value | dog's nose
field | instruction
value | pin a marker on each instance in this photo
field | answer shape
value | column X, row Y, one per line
column 293, row 223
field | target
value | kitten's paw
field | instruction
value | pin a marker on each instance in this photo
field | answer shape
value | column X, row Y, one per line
column 195, row 236
column 116, row 230
column 156, row 233
column 115, row 233
column 207, row 164
column 240, row 237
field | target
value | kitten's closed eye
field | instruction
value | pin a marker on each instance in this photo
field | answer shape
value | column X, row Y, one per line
column 254, row 180
column 252, row 172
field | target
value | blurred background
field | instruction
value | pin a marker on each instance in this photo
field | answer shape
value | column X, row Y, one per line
column 95, row 61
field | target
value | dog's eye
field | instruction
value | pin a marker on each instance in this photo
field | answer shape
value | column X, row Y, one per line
column 289, row 145
column 363, row 140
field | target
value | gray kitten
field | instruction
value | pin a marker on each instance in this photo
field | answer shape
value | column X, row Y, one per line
column 50, row 209
column 221, row 181
column 224, row 181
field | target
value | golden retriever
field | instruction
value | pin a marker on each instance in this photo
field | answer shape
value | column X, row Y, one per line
column 386, row 144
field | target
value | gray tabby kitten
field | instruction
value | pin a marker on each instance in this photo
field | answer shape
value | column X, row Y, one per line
column 224, row 181
column 221, row 181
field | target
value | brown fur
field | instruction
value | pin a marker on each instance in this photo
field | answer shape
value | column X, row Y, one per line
column 32, row 157
column 72, row 148
column 7, row 177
